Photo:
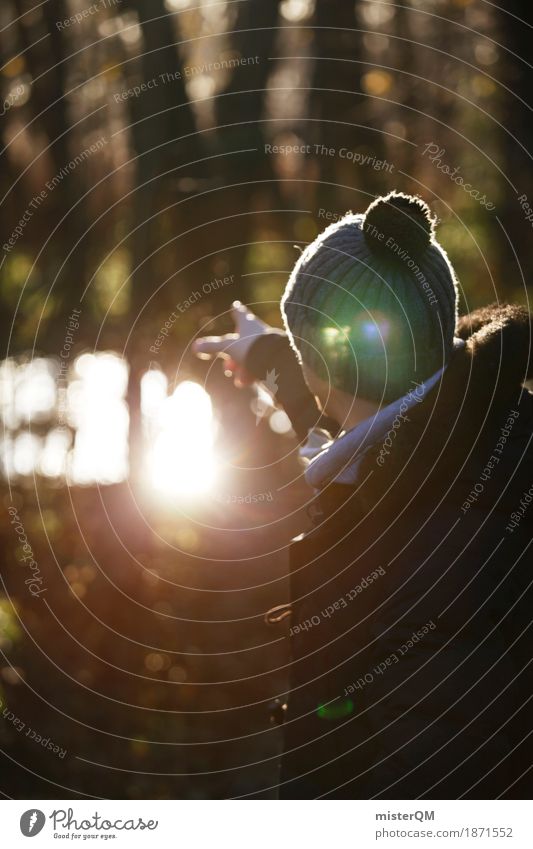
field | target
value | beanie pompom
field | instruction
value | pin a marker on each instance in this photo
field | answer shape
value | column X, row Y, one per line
column 396, row 223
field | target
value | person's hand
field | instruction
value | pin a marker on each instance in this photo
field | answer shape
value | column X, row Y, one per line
column 233, row 347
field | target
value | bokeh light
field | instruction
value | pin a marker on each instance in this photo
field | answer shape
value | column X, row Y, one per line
column 96, row 408
column 181, row 427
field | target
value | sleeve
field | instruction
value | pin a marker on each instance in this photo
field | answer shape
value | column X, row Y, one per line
column 272, row 351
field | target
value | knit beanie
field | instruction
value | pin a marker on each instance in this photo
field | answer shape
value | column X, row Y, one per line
column 371, row 304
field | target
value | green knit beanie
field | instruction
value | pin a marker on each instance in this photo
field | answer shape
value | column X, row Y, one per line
column 371, row 305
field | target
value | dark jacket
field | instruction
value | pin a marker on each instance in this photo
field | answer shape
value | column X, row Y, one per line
column 411, row 599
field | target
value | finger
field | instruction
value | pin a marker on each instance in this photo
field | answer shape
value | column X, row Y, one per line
column 230, row 367
column 211, row 346
column 240, row 313
column 243, row 378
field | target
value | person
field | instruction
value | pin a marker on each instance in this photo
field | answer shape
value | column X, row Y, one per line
column 410, row 595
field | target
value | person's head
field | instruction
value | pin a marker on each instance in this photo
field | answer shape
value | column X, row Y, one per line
column 371, row 304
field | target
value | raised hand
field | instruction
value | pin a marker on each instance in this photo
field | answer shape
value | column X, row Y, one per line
column 233, row 347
